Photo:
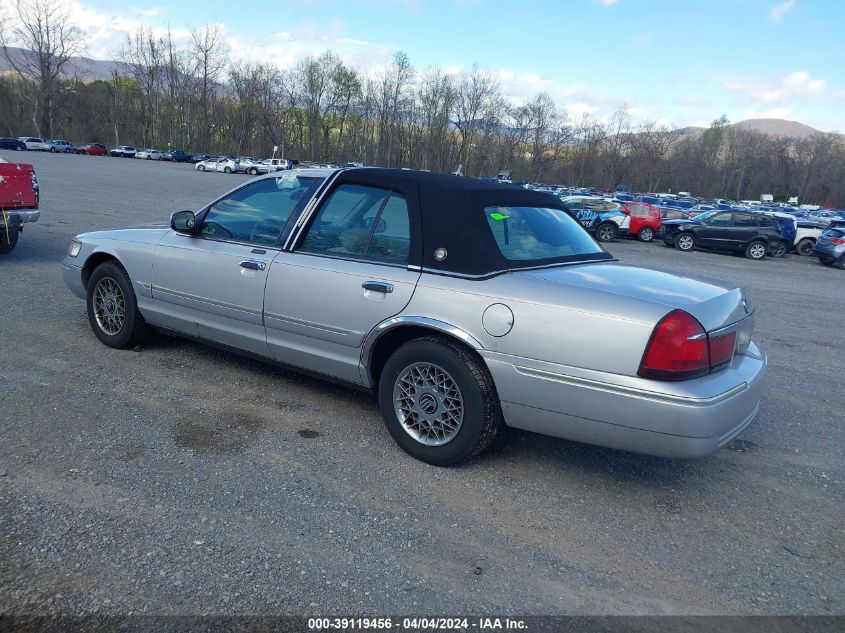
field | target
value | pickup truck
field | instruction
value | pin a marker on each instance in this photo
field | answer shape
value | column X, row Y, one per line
column 18, row 202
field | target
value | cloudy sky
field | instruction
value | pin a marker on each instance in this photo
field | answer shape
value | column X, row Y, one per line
column 680, row 62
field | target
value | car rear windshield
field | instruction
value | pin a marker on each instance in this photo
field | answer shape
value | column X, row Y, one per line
column 534, row 234
column 834, row 233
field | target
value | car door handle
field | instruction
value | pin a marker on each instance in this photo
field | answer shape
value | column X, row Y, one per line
column 377, row 286
column 253, row 265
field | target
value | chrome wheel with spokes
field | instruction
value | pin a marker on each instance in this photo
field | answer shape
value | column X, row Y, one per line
column 685, row 242
column 428, row 404
column 109, row 306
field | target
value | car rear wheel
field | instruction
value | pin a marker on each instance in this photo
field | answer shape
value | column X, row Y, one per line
column 8, row 239
column 685, row 242
column 439, row 402
column 646, row 234
column 227, row 170
column 606, row 232
column 253, row 171
column 827, row 261
column 756, row 250
column 840, row 263
column 805, row 247
column 778, row 249
column 113, row 308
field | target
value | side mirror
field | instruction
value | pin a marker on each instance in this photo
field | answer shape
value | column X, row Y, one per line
column 183, row 222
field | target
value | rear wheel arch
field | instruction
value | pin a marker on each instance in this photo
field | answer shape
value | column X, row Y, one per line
column 379, row 346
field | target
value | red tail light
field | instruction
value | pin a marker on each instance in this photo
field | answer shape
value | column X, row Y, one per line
column 837, row 240
column 679, row 349
column 721, row 349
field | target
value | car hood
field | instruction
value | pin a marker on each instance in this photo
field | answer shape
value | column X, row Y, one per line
column 632, row 290
column 144, row 233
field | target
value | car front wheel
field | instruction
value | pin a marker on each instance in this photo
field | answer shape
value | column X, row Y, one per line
column 113, row 308
column 228, row 170
column 756, row 250
column 646, row 234
column 200, row 167
column 685, row 242
column 439, row 402
column 805, row 246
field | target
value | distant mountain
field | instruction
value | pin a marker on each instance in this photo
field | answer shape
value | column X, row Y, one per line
column 778, row 127
column 83, row 68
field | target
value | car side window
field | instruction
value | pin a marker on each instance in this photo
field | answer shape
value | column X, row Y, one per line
column 720, row 219
column 362, row 222
column 257, row 212
column 745, row 221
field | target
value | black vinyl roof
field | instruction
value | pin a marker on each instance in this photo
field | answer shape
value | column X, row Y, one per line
column 452, row 215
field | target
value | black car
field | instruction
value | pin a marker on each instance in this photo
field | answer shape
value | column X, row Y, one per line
column 177, row 156
column 753, row 234
column 12, row 143
column 198, row 158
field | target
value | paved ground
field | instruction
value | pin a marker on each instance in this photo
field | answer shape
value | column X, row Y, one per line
column 180, row 479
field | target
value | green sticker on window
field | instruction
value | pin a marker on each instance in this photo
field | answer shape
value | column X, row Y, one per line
column 499, row 216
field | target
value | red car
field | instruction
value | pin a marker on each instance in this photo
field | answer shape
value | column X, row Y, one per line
column 92, row 149
column 645, row 219
column 18, row 202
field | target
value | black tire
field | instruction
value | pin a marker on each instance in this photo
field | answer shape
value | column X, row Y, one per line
column 606, row 232
column 149, row 157
column 756, row 250
column 253, row 171
column 778, row 249
column 840, row 263
column 200, row 167
column 646, row 234
column 825, row 261
column 805, row 246
column 685, row 242
column 133, row 327
column 7, row 246
column 227, row 170
column 482, row 413
column 52, row 150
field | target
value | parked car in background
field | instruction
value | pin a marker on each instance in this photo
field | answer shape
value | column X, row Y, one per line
column 806, row 236
column 272, row 164
column 753, row 234
column 177, row 156
column 830, row 249
column 92, row 149
column 221, row 163
column 198, row 158
column 62, row 146
column 645, row 219
column 149, row 154
column 123, row 151
column 19, row 199
column 12, row 143
column 247, row 165
column 600, row 216
column 35, row 143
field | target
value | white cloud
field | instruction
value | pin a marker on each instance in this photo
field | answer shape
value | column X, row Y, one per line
column 795, row 86
column 777, row 13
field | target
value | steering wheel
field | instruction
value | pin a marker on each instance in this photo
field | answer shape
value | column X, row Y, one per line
column 216, row 230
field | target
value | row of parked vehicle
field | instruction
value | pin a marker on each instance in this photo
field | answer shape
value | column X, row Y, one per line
column 723, row 226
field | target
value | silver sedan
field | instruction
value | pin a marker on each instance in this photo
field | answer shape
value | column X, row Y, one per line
column 464, row 305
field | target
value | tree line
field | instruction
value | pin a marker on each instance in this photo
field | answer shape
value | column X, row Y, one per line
column 194, row 96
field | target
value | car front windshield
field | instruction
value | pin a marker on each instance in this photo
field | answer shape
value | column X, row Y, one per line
column 535, row 234
column 703, row 216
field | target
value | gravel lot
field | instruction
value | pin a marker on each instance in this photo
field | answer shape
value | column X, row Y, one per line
column 184, row 480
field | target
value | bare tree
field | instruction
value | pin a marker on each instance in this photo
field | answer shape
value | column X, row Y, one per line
column 45, row 30
column 210, row 49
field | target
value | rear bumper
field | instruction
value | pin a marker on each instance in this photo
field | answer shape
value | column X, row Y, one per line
column 25, row 215
column 827, row 251
column 680, row 420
